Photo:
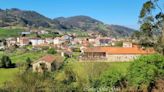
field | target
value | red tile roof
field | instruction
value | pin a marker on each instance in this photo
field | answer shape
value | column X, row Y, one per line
column 48, row 58
column 121, row 50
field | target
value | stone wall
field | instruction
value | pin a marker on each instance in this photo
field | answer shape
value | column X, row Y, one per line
column 121, row 57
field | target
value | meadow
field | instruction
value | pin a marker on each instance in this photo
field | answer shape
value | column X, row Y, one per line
column 5, row 33
column 18, row 58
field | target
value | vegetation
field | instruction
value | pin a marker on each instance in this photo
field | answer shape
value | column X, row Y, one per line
column 151, row 30
column 4, row 33
column 6, row 62
column 141, row 77
column 76, row 76
column 51, row 51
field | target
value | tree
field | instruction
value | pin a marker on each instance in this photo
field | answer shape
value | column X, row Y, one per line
column 28, row 63
column 6, row 62
column 152, row 25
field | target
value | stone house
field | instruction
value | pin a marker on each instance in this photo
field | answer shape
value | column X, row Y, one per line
column 22, row 41
column 44, row 63
column 115, row 54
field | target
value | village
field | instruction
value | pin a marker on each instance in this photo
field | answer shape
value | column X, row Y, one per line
column 94, row 48
column 82, row 46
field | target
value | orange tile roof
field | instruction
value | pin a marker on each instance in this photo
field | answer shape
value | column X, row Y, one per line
column 48, row 58
column 121, row 50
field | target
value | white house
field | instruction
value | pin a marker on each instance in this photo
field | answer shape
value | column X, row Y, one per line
column 58, row 41
column 2, row 46
column 49, row 40
column 37, row 41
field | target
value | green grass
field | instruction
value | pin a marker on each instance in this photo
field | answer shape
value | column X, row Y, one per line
column 22, row 57
column 95, row 69
column 7, row 74
column 4, row 33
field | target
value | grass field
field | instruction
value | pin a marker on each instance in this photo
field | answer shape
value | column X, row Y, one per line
column 7, row 74
column 93, row 69
column 4, row 33
column 22, row 57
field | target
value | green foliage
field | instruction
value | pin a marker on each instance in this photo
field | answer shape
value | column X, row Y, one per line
column 147, row 8
column 28, row 63
column 5, row 33
column 119, row 44
column 152, row 28
column 30, row 82
column 145, row 70
column 5, row 62
column 51, row 51
column 112, row 79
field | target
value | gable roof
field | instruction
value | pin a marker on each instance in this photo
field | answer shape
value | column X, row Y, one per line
column 48, row 58
column 121, row 50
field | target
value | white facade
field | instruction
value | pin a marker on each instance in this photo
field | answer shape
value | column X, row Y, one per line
column 49, row 41
column 57, row 41
column 127, row 44
column 37, row 42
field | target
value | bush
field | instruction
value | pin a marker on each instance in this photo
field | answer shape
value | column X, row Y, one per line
column 51, row 51
column 112, row 79
column 144, row 71
column 30, row 82
column 6, row 62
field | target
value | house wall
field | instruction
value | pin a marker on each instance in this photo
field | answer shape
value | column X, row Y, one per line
column 121, row 57
column 36, row 66
column 37, row 42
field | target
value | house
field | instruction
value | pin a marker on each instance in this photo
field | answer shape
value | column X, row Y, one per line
column 22, row 41
column 2, row 47
column 49, row 40
column 44, row 63
column 44, row 32
column 10, row 41
column 103, row 41
column 25, row 33
column 37, row 41
column 58, row 41
column 115, row 54
column 66, row 54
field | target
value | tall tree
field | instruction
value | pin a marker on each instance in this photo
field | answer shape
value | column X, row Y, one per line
column 152, row 25
column 5, row 62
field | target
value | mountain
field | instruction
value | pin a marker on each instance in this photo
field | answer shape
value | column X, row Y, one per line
column 12, row 17
column 17, row 17
column 86, row 23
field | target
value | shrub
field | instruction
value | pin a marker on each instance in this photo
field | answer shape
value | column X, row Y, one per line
column 144, row 71
column 51, row 51
column 6, row 62
column 112, row 79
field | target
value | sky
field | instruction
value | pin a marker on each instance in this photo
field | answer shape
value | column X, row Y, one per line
column 120, row 12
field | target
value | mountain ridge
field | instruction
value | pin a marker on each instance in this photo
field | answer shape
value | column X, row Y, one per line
column 25, row 18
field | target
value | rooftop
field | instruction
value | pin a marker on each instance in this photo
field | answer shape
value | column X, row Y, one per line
column 48, row 58
column 121, row 50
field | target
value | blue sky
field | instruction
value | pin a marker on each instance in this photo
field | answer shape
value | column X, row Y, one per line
column 121, row 12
